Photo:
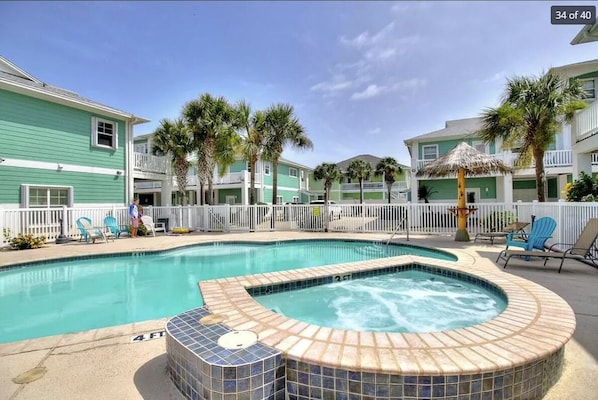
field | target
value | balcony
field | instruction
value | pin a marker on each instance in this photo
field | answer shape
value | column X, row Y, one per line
column 552, row 159
column 150, row 164
column 374, row 186
column 585, row 123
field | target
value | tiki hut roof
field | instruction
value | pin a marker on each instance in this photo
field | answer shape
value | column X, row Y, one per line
column 464, row 156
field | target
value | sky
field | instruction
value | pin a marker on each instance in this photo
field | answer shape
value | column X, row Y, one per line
column 362, row 76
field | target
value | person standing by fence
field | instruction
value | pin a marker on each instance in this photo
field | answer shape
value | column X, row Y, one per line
column 134, row 214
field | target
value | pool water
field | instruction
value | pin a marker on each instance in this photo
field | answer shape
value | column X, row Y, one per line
column 72, row 296
column 406, row 301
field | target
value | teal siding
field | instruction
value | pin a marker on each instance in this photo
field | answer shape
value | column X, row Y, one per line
column 283, row 176
column 524, row 184
column 222, row 193
column 447, row 145
column 238, row 166
column 87, row 188
column 447, row 188
column 34, row 129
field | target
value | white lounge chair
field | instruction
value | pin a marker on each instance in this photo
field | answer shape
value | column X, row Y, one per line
column 153, row 226
column 94, row 233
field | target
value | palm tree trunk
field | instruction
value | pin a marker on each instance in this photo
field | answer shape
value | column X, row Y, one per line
column 389, row 188
column 539, row 159
column 274, row 179
column 252, row 164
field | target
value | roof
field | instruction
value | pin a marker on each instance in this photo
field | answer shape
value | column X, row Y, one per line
column 458, row 128
column 576, row 69
column 15, row 79
column 373, row 160
column 587, row 34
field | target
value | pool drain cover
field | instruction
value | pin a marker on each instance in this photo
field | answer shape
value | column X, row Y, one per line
column 237, row 339
column 30, row 376
column 213, row 319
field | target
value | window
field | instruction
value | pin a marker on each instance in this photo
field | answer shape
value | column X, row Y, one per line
column 589, row 88
column 293, row 172
column 295, row 199
column 46, row 196
column 479, row 146
column 279, row 200
column 267, row 168
column 248, row 166
column 141, row 148
column 430, row 152
column 104, row 133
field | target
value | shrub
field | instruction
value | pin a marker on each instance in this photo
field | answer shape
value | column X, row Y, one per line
column 28, row 241
column 583, row 189
column 496, row 221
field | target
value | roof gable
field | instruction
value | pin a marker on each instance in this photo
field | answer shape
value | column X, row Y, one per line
column 458, row 128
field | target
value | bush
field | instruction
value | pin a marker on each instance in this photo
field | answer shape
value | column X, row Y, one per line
column 496, row 221
column 583, row 189
column 23, row 242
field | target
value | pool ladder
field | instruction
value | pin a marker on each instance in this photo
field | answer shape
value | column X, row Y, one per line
column 399, row 225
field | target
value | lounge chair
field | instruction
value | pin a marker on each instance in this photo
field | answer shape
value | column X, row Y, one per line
column 516, row 227
column 536, row 239
column 94, row 233
column 153, row 226
column 113, row 226
column 584, row 248
column 82, row 228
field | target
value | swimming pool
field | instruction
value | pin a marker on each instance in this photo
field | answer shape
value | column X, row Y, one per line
column 86, row 293
column 404, row 301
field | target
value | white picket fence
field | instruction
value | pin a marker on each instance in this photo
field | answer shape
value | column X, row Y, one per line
column 407, row 218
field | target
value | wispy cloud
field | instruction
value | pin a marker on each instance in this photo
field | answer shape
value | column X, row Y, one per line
column 374, row 131
column 365, row 39
column 369, row 92
column 330, row 86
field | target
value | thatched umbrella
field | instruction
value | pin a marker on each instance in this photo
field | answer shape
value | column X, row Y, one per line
column 463, row 161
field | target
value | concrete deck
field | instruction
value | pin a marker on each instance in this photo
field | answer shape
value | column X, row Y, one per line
column 104, row 364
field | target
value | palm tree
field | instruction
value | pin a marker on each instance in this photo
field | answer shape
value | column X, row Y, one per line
column 282, row 128
column 529, row 116
column 172, row 139
column 254, row 127
column 389, row 168
column 360, row 170
column 425, row 192
column 329, row 173
column 213, row 124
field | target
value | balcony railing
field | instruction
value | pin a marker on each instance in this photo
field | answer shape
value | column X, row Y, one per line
column 149, row 163
column 585, row 123
column 374, row 186
column 552, row 159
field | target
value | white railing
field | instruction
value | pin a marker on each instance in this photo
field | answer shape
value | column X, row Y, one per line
column 585, row 123
column 419, row 218
column 378, row 186
column 552, row 159
column 149, row 163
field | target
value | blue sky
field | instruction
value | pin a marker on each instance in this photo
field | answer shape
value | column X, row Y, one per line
column 362, row 76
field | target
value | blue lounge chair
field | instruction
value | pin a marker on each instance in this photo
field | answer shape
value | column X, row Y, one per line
column 542, row 230
column 82, row 228
column 113, row 226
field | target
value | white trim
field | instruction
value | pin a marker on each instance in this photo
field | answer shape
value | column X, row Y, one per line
column 95, row 122
column 13, row 162
column 423, row 146
column 26, row 187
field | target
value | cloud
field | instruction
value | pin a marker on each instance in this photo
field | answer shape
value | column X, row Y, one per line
column 413, row 84
column 497, row 77
column 374, row 131
column 331, row 86
column 369, row 92
column 364, row 39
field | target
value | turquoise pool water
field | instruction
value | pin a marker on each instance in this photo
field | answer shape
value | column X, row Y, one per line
column 72, row 296
column 406, row 301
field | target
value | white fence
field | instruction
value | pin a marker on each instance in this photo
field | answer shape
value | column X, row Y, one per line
column 406, row 218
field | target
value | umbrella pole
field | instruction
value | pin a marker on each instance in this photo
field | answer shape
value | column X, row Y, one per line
column 461, row 235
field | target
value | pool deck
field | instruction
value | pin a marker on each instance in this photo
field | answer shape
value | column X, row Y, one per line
column 104, row 363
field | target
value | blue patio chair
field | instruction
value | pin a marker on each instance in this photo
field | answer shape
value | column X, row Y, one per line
column 542, row 230
column 82, row 228
column 113, row 226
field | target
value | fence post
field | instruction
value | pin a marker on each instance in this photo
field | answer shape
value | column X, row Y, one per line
column 408, row 219
column 560, row 224
column 227, row 218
